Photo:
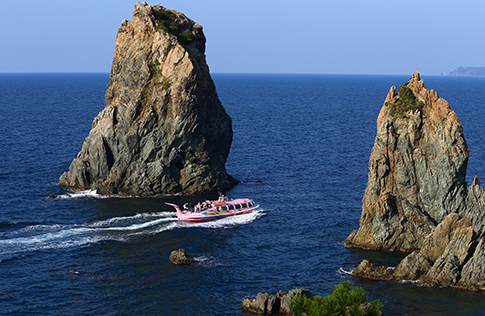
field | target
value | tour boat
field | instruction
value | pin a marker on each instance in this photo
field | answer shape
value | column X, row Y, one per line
column 211, row 210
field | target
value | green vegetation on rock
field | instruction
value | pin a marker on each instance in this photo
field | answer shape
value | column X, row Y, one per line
column 155, row 74
column 344, row 300
column 167, row 21
column 405, row 102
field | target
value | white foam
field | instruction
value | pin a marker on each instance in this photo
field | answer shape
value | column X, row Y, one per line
column 140, row 216
column 123, row 228
column 410, row 281
column 156, row 230
column 207, row 261
column 39, row 237
column 74, row 194
column 135, row 226
column 343, row 271
column 228, row 221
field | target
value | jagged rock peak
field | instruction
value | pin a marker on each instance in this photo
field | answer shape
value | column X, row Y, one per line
column 163, row 129
column 417, row 170
column 417, row 198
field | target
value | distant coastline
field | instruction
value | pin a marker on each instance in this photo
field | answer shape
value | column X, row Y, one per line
column 468, row 72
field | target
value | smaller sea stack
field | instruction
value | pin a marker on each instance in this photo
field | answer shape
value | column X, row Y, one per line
column 417, row 199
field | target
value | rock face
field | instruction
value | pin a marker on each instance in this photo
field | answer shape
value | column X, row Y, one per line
column 417, row 172
column 452, row 256
column 269, row 304
column 417, row 198
column 163, row 129
column 180, row 257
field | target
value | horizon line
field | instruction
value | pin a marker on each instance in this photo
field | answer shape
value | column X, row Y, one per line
column 232, row 73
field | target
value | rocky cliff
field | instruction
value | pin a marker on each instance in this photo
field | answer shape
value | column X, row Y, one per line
column 417, row 170
column 417, row 198
column 163, row 129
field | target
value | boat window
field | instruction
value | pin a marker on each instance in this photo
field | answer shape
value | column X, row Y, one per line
column 224, row 208
column 231, row 207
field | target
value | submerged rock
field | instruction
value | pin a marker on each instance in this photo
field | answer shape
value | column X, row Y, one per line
column 163, row 129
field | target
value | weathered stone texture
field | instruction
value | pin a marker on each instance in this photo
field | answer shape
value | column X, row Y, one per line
column 417, row 173
column 163, row 129
column 412, row 267
column 269, row 304
column 473, row 272
column 417, row 198
column 180, row 257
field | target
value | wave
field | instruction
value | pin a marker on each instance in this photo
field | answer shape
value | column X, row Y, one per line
column 207, row 261
column 227, row 222
column 345, row 272
column 55, row 236
column 76, row 194
column 124, row 228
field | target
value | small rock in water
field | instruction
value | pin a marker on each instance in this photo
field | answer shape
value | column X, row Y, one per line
column 268, row 304
column 181, row 257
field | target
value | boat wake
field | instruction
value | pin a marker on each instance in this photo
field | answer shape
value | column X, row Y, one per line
column 227, row 222
column 55, row 236
column 122, row 229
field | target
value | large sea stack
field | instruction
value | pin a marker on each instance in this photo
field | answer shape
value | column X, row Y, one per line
column 417, row 199
column 163, row 129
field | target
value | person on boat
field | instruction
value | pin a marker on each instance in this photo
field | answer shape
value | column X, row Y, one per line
column 188, row 207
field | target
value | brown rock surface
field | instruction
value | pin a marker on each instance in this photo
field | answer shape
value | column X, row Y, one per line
column 163, row 129
column 269, row 304
column 417, row 198
column 473, row 272
column 412, row 267
column 417, row 172
column 446, row 270
column 436, row 243
column 451, row 258
column 180, row 257
column 368, row 270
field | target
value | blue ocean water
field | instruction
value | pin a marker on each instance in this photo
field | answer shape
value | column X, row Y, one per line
column 301, row 148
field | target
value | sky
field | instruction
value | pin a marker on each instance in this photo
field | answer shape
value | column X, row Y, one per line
column 258, row 36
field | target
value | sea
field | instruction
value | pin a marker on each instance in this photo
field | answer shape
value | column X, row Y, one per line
column 301, row 149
